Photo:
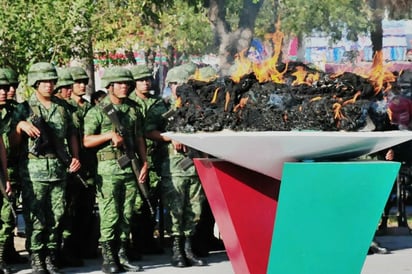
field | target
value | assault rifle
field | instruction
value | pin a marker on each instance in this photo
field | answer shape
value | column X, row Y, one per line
column 3, row 182
column 48, row 140
column 129, row 156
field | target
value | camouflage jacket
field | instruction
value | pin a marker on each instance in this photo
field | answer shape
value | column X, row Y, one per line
column 165, row 158
column 97, row 122
column 58, row 118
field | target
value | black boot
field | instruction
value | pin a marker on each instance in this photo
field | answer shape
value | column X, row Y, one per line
column 124, row 259
column 375, row 248
column 191, row 258
column 109, row 261
column 37, row 263
column 3, row 267
column 51, row 262
column 178, row 259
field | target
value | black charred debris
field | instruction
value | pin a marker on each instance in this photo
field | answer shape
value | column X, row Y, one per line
column 346, row 102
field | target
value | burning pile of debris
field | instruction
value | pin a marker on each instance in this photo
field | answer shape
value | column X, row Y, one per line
column 287, row 97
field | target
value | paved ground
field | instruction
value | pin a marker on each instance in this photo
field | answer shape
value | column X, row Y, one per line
column 398, row 262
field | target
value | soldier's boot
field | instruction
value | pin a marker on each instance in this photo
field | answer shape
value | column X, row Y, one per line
column 51, row 262
column 109, row 264
column 11, row 256
column 191, row 257
column 3, row 266
column 124, row 259
column 37, row 263
column 178, row 258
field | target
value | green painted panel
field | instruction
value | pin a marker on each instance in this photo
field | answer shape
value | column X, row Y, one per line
column 327, row 215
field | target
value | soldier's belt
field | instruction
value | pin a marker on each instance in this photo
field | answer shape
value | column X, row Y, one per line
column 109, row 155
column 45, row 156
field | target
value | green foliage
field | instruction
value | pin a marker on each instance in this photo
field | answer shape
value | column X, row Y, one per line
column 328, row 16
column 172, row 22
column 43, row 30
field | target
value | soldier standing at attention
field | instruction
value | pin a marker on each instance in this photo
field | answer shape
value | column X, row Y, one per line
column 116, row 186
column 42, row 173
column 11, row 256
column 143, row 225
column 78, row 236
column 5, row 206
column 180, row 188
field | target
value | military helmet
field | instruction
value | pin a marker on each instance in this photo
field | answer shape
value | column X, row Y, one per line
column 41, row 71
column 78, row 73
column 65, row 78
column 178, row 75
column 115, row 75
column 12, row 76
column 190, row 68
column 4, row 81
column 206, row 74
column 140, row 72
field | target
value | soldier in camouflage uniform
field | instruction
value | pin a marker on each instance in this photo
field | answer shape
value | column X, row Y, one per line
column 42, row 173
column 11, row 256
column 143, row 225
column 180, row 189
column 79, row 238
column 117, row 186
column 6, row 212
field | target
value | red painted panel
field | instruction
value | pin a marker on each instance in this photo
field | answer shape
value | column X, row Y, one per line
column 244, row 205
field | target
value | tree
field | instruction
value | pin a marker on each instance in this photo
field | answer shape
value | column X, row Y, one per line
column 397, row 9
column 232, row 41
column 43, row 30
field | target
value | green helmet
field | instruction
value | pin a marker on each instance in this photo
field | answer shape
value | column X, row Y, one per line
column 190, row 68
column 41, row 71
column 207, row 74
column 78, row 73
column 114, row 75
column 4, row 81
column 12, row 76
column 65, row 78
column 178, row 75
column 140, row 72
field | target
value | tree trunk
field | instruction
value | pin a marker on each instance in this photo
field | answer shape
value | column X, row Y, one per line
column 230, row 42
column 377, row 31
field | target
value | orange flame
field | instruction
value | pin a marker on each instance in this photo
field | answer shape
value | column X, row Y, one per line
column 380, row 77
column 243, row 66
column 214, row 99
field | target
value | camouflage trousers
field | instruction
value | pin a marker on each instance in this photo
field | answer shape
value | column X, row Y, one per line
column 6, row 220
column 116, row 196
column 183, row 196
column 44, row 205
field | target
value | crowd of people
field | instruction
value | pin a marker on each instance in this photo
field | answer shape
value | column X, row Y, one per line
column 92, row 174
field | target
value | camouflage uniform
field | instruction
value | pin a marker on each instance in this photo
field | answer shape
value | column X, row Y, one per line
column 43, row 176
column 79, row 235
column 116, row 186
column 6, row 213
column 143, row 226
column 11, row 255
column 181, row 189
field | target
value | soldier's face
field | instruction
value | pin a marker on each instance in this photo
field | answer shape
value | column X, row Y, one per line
column 79, row 87
column 66, row 92
column 143, row 85
column 120, row 89
column 3, row 94
column 46, row 88
column 12, row 92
